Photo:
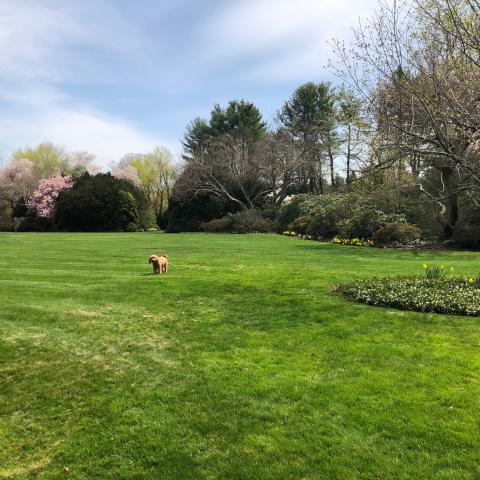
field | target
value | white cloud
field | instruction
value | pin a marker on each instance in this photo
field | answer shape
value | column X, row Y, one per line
column 107, row 138
column 59, row 58
column 44, row 114
column 284, row 39
column 30, row 35
column 45, row 41
column 45, row 46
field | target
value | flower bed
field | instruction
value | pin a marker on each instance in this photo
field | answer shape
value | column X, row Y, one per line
column 451, row 295
column 356, row 242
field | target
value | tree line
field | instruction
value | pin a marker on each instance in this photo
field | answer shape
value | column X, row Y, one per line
column 403, row 129
column 400, row 131
column 235, row 161
column 46, row 187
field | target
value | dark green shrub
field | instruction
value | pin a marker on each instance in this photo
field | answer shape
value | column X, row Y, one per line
column 328, row 213
column 347, row 215
column 188, row 215
column 365, row 220
column 95, row 203
column 20, row 209
column 127, row 212
column 33, row 224
column 291, row 210
column 148, row 219
column 6, row 223
column 248, row 222
column 466, row 235
column 217, row 225
column 301, row 225
column 241, row 222
column 396, row 232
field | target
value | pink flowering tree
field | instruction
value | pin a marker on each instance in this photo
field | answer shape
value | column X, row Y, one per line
column 42, row 201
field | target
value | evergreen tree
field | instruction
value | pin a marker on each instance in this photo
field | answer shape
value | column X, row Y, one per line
column 239, row 116
column 101, row 203
column 197, row 136
column 309, row 116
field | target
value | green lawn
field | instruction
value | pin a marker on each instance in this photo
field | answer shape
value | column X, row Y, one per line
column 237, row 364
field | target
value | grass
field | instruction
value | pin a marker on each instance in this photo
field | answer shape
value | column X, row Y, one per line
column 237, row 364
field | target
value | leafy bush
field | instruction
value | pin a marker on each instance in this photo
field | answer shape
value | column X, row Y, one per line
column 127, row 212
column 328, row 213
column 248, row 222
column 96, row 203
column 291, row 210
column 325, row 216
column 217, row 225
column 396, row 232
column 365, row 220
column 32, row 223
column 6, row 224
column 188, row 215
column 241, row 222
column 441, row 295
column 466, row 235
column 301, row 224
column 20, row 209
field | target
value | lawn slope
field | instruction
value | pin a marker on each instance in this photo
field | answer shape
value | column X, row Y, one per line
column 237, row 364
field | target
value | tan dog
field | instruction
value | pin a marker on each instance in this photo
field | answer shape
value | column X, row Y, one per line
column 159, row 263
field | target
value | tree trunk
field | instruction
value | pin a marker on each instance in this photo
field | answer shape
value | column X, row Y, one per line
column 332, row 169
column 451, row 214
column 349, row 153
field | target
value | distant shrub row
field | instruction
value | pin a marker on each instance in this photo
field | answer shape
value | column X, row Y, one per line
column 345, row 217
column 241, row 222
column 95, row 203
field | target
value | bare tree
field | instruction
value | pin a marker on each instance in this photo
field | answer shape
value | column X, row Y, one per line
column 229, row 168
column 282, row 158
column 17, row 182
column 353, row 129
column 421, row 86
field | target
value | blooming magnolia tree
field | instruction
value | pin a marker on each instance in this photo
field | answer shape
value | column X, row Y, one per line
column 42, row 202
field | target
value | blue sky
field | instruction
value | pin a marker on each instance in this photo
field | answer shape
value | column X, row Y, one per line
column 118, row 76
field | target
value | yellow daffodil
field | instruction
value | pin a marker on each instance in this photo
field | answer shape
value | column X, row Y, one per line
column 425, row 266
column 471, row 280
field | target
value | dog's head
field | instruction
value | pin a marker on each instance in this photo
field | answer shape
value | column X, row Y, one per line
column 152, row 259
